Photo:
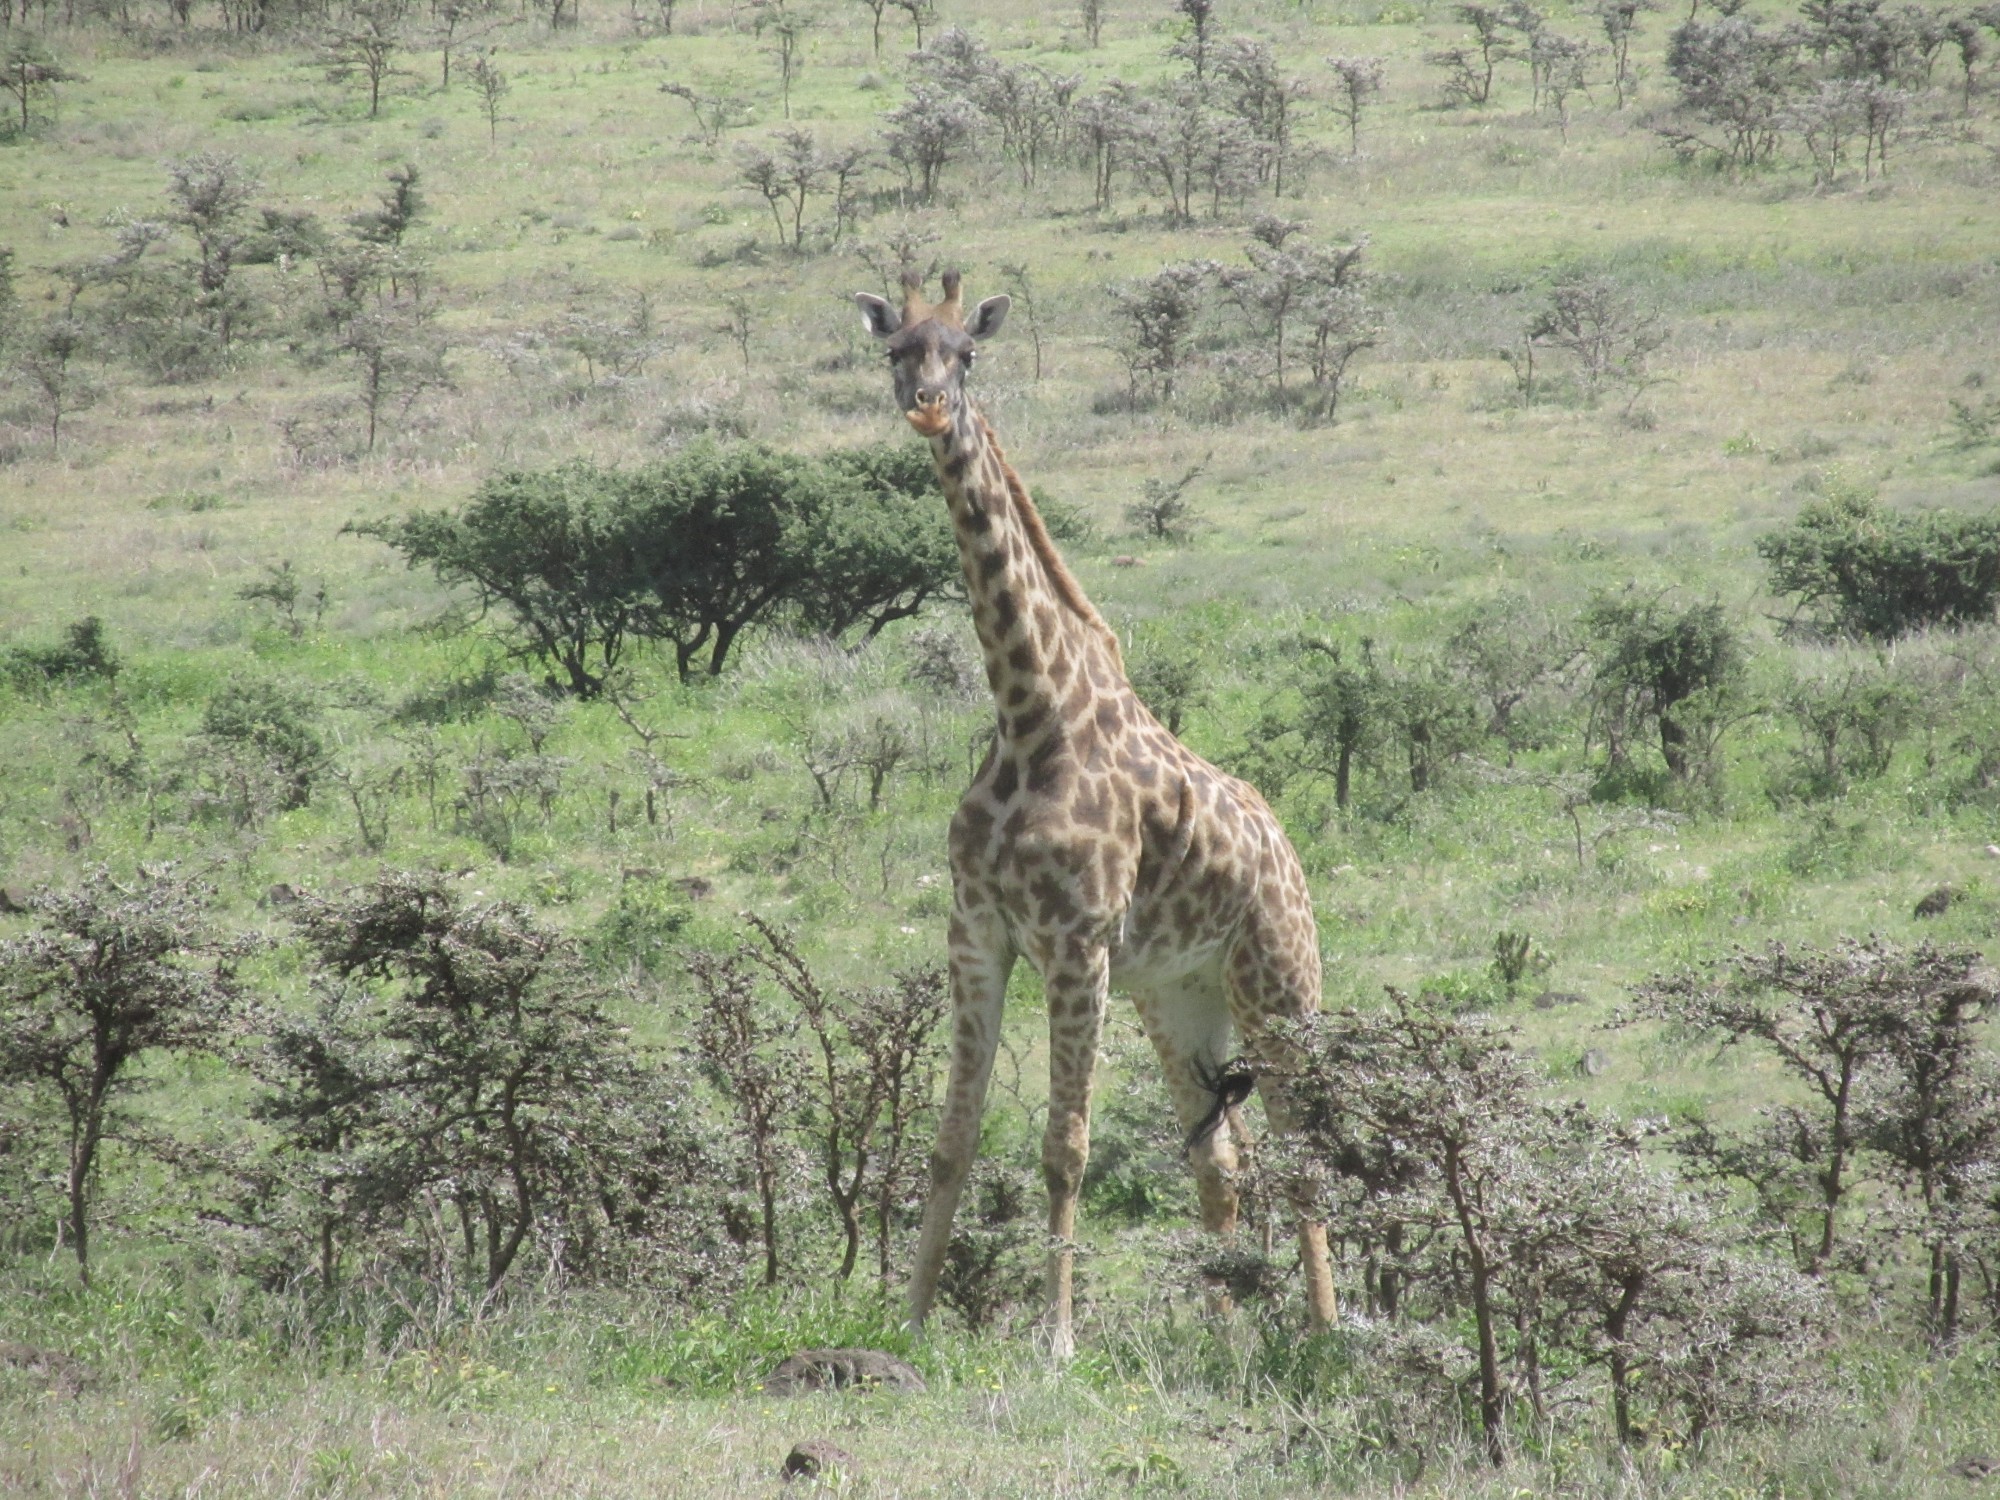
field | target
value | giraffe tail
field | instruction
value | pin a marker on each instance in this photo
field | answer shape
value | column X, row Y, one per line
column 1230, row 1084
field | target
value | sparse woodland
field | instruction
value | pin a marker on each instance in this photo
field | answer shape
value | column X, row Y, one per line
column 484, row 679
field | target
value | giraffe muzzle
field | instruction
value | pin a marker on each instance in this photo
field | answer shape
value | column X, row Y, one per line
column 929, row 416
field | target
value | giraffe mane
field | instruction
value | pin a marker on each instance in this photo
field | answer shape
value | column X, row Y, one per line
column 1060, row 578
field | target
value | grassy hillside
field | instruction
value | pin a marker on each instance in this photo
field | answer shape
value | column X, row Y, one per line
column 1821, row 340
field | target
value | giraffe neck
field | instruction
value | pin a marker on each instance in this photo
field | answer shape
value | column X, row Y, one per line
column 1044, row 645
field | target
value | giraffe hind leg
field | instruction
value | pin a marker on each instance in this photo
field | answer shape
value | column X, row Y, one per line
column 1273, row 974
column 1187, row 1021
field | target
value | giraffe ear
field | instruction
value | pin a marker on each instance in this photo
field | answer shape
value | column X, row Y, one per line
column 988, row 316
column 877, row 316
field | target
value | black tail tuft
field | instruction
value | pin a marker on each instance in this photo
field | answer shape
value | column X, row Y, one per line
column 1231, row 1084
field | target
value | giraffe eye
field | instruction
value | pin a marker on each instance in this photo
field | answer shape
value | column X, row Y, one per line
column 971, row 355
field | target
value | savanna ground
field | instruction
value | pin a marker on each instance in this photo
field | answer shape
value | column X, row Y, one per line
column 1817, row 337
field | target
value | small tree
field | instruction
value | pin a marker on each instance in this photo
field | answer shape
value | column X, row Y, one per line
column 52, row 357
column 1734, row 78
column 29, row 71
column 1828, row 1016
column 1469, row 71
column 1340, row 720
column 1931, row 1107
column 1165, row 514
column 713, row 113
column 921, row 14
column 210, row 196
column 1027, row 297
column 1192, row 48
column 464, row 1091
column 1560, row 66
column 1170, row 141
column 397, row 354
column 276, row 727
column 363, row 48
column 1620, row 20
column 748, row 1051
column 1850, row 718
column 1672, row 668
column 396, row 212
column 785, row 30
column 786, row 180
column 1356, row 83
column 458, row 24
column 1504, row 652
column 1171, row 682
column 1161, row 313
column 493, row 87
column 925, row 134
column 874, row 1075
column 1250, row 85
column 875, row 10
column 112, row 973
column 1602, row 329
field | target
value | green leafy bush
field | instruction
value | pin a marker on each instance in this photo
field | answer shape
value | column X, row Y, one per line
column 82, row 652
column 275, row 724
column 1858, row 568
column 641, row 926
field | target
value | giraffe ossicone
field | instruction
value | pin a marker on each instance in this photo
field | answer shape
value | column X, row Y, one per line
column 1092, row 843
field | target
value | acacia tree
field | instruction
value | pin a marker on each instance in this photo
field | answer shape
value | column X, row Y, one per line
column 1602, row 328
column 111, row 974
column 746, row 1047
column 460, row 1094
column 1674, row 668
column 926, row 133
column 1931, row 1105
column 1469, row 71
column 493, row 87
column 1620, row 20
column 52, row 357
column 786, row 180
column 1528, row 1228
column 28, row 71
column 1734, row 79
column 210, row 194
column 1161, row 314
column 1356, row 82
column 397, row 354
column 551, row 549
column 693, row 549
column 364, row 47
column 1827, row 1016
column 874, row 1074
column 1858, row 568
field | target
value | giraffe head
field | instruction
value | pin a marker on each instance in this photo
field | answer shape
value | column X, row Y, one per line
column 930, row 346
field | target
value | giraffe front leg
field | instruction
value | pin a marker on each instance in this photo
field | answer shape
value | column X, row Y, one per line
column 982, row 958
column 1077, row 985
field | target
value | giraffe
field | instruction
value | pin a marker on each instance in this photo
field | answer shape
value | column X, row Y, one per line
column 1091, row 842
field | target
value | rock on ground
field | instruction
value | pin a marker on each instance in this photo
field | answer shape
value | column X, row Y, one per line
column 841, row 1369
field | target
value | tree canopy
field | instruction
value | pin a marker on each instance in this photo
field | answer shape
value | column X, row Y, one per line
column 693, row 550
